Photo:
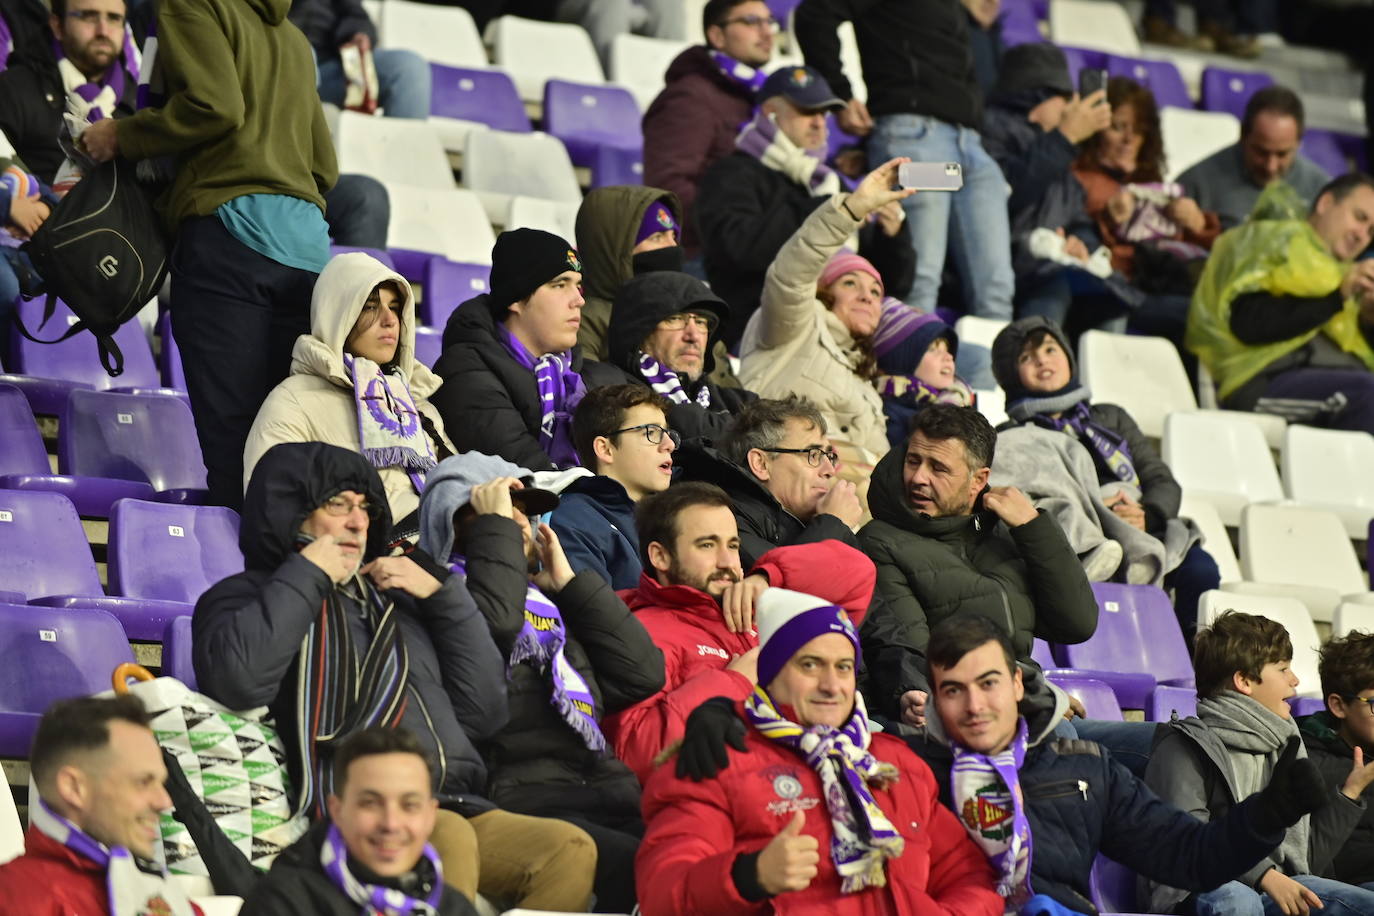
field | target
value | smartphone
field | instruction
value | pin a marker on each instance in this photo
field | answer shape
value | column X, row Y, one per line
column 1090, row 80
column 931, row 176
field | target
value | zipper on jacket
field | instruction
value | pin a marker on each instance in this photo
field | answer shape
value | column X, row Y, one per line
column 1064, row 788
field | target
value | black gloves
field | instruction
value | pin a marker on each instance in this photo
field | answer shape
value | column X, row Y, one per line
column 1295, row 789
column 710, row 727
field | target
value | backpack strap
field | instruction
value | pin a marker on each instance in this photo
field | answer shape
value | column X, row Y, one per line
column 111, row 357
column 49, row 307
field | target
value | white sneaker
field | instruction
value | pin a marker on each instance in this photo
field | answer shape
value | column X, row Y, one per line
column 1102, row 562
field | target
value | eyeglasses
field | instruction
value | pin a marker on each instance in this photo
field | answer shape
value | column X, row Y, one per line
column 1368, row 701
column 653, row 433
column 339, row 507
column 813, row 454
column 753, row 22
column 93, row 17
column 678, row 322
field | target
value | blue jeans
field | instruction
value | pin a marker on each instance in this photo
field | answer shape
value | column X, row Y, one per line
column 972, row 221
column 1236, row 899
column 403, row 82
column 974, row 365
column 1129, row 742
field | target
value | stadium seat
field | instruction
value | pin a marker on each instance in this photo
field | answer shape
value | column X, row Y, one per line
column 428, row 345
column 1042, row 654
column 440, row 34
column 498, row 165
column 49, row 654
column 979, row 331
column 1221, row 459
column 1095, row 25
column 449, row 223
column 1112, row 887
column 1168, row 701
column 1079, row 58
column 169, row 358
column 1161, row 77
column 1215, row 540
column 1191, row 136
column 1351, row 616
column 537, row 213
column 1305, row 552
column 534, row 52
column 639, row 63
column 447, row 285
column 393, row 150
column 1144, row 375
column 591, row 119
column 1230, row 90
column 176, row 651
column 993, row 405
column 146, row 438
column 1019, row 25
column 1286, row 611
column 23, row 451
column 1097, row 698
column 169, row 552
column 1330, row 469
column 1334, row 151
column 464, row 99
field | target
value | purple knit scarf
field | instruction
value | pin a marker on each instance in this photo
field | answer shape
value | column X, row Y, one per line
column 669, row 384
column 560, row 391
column 115, row 79
column 390, row 431
column 741, row 74
column 1107, row 444
column 760, row 136
column 375, row 899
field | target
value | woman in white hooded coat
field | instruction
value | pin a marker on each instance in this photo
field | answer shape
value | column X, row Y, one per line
column 355, row 382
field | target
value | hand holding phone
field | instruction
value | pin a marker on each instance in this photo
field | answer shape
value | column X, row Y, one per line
column 1090, row 80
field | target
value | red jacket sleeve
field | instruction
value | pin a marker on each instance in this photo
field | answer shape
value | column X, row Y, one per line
column 827, row 569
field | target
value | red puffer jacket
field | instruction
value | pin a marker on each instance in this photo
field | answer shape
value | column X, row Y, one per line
column 697, row 830
column 687, row 625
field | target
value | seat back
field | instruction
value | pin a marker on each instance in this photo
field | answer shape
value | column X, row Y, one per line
column 1215, row 539
column 1352, row 616
column 11, row 828
column 598, row 113
column 442, row 34
column 1112, row 886
column 1098, row 699
column 44, row 547
column 177, row 660
column 1042, row 653
column 1161, row 77
column 139, row 437
column 1291, row 613
column 534, row 52
column 428, row 345
column 77, row 359
column 1230, row 90
column 1333, row 151
column 1142, row 374
column 533, row 165
column 1225, row 460
column 554, row 216
column 1291, row 545
column 169, row 360
column 447, row 285
column 1095, row 25
column 1328, row 467
column 485, row 96
column 1137, row 633
column 980, row 331
column 1168, row 701
column 399, row 150
column 451, row 223
column 993, row 405
column 640, row 63
column 171, row 552
column 1191, row 136
column 22, row 451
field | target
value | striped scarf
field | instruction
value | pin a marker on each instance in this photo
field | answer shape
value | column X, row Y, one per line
column 861, row 837
column 338, row 693
column 908, row 389
column 761, row 139
column 667, row 383
column 746, row 77
column 560, row 391
column 377, row 900
column 986, row 789
column 389, row 427
column 1106, row 444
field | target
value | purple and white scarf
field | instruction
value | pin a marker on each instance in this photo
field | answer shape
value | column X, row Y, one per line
column 761, row 139
column 560, row 391
column 741, row 74
column 94, row 100
column 374, row 899
column 1107, row 444
column 987, row 795
column 908, row 389
column 389, row 425
column 132, row 891
column 540, row 642
column 862, row 839
column 667, row 383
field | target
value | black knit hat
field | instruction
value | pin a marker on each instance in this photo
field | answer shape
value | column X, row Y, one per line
column 1007, row 347
column 524, row 260
column 1039, row 66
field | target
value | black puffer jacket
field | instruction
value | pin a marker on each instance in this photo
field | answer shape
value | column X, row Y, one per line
column 1032, row 159
column 489, row 402
column 763, row 522
column 642, row 304
column 329, row 23
column 1026, row 578
column 538, row 754
column 247, row 630
column 746, row 212
column 1354, row 861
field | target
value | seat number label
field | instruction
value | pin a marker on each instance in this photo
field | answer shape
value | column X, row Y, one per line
column 47, row 635
column 176, row 531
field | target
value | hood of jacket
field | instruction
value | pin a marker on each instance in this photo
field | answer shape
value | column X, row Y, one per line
column 272, row 12
column 888, row 502
column 649, row 298
column 340, row 293
column 607, row 223
column 290, row 481
column 448, row 488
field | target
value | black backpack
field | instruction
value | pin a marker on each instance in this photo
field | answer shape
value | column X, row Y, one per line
column 103, row 252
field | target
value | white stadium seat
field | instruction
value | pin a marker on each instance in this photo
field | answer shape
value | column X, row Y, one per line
column 1191, row 136
column 1286, row 611
column 393, row 150
column 1216, row 541
column 451, row 223
column 534, row 52
column 1222, row 459
column 1302, row 553
column 638, row 63
column 1093, row 24
column 440, row 34
column 499, row 165
column 1330, row 469
column 1141, row 374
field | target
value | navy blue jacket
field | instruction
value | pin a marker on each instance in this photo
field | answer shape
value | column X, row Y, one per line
column 595, row 523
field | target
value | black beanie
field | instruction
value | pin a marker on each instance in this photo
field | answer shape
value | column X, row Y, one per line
column 1007, row 347
column 1038, row 66
column 524, row 260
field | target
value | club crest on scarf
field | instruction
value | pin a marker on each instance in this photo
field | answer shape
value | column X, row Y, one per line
column 990, row 811
column 986, row 789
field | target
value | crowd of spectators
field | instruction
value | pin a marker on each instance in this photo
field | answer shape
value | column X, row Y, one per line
column 690, row 576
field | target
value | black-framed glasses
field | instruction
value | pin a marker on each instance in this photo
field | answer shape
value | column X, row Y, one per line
column 679, row 321
column 753, row 22
column 1368, row 701
column 813, row 453
column 338, row 506
column 653, row 433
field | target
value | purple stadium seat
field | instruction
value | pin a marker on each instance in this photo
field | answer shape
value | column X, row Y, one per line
column 1020, row 25
column 176, row 652
column 171, row 552
column 447, row 285
column 1097, row 698
column 51, row 654
column 428, row 345
column 410, row 264
column 1168, row 701
column 1229, row 90
column 1161, row 77
column 1041, row 652
column 1079, row 58
column 1324, row 147
column 377, row 253
column 48, row 561
column 169, row 360
column 23, row 451
column 1112, row 887
column 1138, row 643
column 146, row 438
column 485, row 96
column 589, row 118
column 781, row 9
column 1306, row 706
column 57, row 369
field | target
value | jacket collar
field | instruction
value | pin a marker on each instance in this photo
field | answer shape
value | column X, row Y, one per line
column 39, row 845
column 676, row 598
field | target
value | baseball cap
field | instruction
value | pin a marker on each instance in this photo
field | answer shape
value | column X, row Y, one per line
column 802, row 86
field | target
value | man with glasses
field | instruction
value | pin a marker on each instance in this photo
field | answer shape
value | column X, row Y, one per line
column 698, row 606
column 333, row 638
column 708, row 93
column 779, row 469
column 663, row 331
column 621, row 432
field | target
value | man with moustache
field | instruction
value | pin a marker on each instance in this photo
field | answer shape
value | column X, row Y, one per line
column 698, row 606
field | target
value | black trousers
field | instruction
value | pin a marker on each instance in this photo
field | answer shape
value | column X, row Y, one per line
column 236, row 315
